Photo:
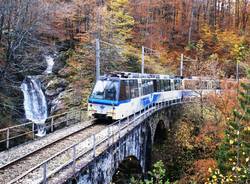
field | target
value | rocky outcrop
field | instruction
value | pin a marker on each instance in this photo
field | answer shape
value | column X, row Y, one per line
column 61, row 95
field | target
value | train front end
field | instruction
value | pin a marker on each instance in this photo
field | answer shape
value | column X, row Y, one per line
column 104, row 99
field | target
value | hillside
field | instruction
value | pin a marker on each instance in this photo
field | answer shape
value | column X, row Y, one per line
column 213, row 35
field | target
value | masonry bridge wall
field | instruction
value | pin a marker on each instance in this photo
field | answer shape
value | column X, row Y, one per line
column 137, row 143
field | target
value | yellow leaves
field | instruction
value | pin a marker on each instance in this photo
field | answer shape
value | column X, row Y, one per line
column 230, row 38
column 209, row 170
column 184, row 134
column 247, row 128
column 238, row 169
column 223, row 42
column 231, row 142
column 118, row 4
column 75, row 64
column 229, row 179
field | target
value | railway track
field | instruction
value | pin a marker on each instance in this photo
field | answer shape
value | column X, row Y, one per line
column 12, row 170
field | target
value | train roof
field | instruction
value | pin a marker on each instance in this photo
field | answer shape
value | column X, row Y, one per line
column 199, row 78
column 130, row 75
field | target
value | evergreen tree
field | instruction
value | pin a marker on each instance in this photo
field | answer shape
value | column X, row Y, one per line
column 116, row 26
column 118, row 23
column 234, row 154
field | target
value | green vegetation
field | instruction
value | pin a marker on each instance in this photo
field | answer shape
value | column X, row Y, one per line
column 157, row 175
column 234, row 154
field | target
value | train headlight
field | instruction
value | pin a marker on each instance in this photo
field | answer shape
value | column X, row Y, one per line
column 91, row 108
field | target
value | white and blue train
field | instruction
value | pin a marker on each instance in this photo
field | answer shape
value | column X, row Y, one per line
column 121, row 94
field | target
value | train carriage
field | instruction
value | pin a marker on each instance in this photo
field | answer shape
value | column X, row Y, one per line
column 122, row 94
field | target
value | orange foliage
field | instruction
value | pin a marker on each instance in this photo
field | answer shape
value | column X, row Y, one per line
column 199, row 173
column 210, row 135
column 227, row 100
column 200, row 169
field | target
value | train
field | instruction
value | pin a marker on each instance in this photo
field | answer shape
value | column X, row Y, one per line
column 120, row 94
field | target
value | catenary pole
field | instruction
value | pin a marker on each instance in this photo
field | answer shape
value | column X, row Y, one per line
column 142, row 60
column 97, row 58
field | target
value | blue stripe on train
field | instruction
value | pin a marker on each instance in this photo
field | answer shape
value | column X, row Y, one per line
column 188, row 93
column 108, row 102
column 156, row 97
column 145, row 101
column 149, row 99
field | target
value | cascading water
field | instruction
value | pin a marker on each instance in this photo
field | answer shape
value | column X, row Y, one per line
column 50, row 64
column 35, row 104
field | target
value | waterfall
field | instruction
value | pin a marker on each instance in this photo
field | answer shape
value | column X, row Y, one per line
column 35, row 104
column 50, row 64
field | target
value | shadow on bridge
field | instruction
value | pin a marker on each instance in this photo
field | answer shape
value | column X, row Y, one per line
column 129, row 168
column 160, row 133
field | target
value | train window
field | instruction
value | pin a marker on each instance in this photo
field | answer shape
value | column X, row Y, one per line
column 147, row 87
column 167, row 86
column 177, row 84
column 124, row 90
column 158, row 84
column 187, row 84
column 155, row 85
column 150, row 86
column 172, row 85
column 217, row 85
column 191, row 84
column 106, row 90
column 205, row 85
column 162, row 85
column 144, row 87
column 134, row 91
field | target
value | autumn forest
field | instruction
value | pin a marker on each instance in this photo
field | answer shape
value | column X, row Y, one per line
column 210, row 140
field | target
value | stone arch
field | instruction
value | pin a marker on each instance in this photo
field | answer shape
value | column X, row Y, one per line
column 161, row 117
column 128, row 168
column 160, row 132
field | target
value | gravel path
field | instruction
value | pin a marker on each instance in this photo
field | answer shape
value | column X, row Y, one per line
column 12, row 171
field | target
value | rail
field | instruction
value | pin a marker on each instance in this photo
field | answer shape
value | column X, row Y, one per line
column 88, row 147
column 28, row 130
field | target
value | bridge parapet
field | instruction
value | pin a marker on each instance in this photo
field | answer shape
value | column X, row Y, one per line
column 27, row 131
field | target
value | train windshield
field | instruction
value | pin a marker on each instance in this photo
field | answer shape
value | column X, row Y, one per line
column 106, row 90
